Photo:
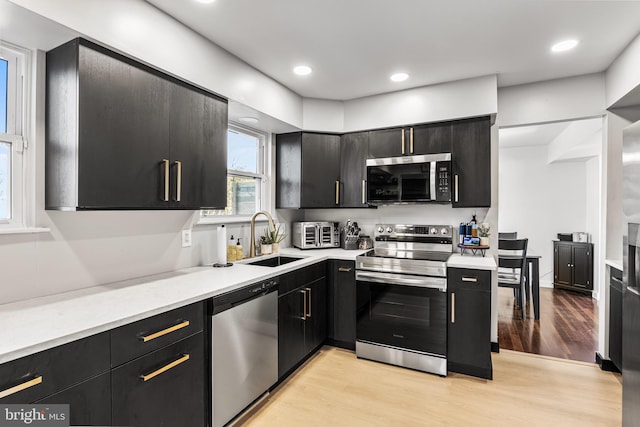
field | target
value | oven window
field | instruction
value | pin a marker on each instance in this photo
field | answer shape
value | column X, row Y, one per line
column 390, row 305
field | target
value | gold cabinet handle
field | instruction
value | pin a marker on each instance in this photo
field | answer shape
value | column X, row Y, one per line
column 402, row 141
column 304, row 304
column 344, row 269
column 309, row 304
column 337, row 192
column 364, row 191
column 453, row 307
column 25, row 385
column 470, row 279
column 411, row 140
column 179, row 181
column 165, row 169
column 455, row 182
column 165, row 368
column 158, row 334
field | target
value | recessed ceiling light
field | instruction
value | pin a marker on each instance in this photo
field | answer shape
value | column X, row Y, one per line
column 399, row 77
column 564, row 45
column 251, row 120
column 205, row 1
column 302, row 70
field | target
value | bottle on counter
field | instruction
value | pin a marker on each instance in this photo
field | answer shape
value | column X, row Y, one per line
column 231, row 251
column 239, row 254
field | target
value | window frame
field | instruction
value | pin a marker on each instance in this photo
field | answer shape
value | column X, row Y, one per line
column 263, row 173
column 19, row 60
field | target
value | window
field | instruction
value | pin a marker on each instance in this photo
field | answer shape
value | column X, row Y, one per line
column 246, row 179
column 12, row 62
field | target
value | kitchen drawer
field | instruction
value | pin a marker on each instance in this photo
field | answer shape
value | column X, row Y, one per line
column 55, row 369
column 297, row 278
column 477, row 279
column 141, row 337
column 176, row 396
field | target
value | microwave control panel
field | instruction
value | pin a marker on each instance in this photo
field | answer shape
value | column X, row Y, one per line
column 443, row 181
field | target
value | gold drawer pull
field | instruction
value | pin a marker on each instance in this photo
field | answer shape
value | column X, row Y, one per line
column 344, row 269
column 165, row 331
column 8, row 392
column 165, row 368
column 469, row 279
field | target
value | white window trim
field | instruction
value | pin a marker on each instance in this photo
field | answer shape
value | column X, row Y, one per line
column 20, row 118
column 265, row 187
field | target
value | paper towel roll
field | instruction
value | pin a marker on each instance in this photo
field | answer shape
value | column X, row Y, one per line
column 221, row 245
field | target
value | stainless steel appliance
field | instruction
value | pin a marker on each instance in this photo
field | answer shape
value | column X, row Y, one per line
column 631, row 276
column 315, row 235
column 244, row 348
column 401, row 294
column 409, row 179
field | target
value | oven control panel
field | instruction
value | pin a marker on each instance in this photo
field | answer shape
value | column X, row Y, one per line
column 393, row 231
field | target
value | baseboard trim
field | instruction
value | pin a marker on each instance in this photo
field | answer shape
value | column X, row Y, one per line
column 495, row 347
column 606, row 364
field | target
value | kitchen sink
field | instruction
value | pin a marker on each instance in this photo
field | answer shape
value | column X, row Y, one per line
column 274, row 261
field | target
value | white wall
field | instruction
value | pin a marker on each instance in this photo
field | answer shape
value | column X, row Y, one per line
column 322, row 115
column 622, row 75
column 540, row 200
column 552, row 101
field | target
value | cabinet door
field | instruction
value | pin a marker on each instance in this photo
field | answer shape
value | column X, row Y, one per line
column 342, row 302
column 316, row 322
column 175, row 396
column 320, row 170
column 291, row 328
column 562, row 257
column 198, row 137
column 469, row 326
column 615, row 319
column 123, row 115
column 89, row 402
column 432, row 139
column 353, row 169
column 386, row 143
column 471, row 163
column 582, row 263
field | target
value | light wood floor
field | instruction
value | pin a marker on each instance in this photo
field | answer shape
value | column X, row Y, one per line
column 335, row 388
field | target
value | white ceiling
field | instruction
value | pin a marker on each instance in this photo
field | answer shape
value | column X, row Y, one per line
column 354, row 45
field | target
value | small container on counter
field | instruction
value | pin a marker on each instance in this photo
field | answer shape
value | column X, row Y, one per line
column 365, row 242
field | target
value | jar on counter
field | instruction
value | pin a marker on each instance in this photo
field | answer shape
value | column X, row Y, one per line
column 365, row 242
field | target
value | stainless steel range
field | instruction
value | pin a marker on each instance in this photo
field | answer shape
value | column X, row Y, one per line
column 402, row 297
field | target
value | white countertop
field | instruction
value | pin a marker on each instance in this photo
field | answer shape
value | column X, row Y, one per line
column 41, row 323
column 615, row 263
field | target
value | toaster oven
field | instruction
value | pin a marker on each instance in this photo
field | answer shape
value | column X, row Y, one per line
column 315, row 235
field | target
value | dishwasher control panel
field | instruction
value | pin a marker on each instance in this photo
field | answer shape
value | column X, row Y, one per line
column 236, row 297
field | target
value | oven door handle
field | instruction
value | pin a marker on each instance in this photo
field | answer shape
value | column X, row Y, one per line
column 403, row 280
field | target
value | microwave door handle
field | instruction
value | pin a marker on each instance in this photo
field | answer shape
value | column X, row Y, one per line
column 318, row 235
column 432, row 180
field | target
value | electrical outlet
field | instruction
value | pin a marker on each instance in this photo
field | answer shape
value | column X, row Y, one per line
column 186, row 238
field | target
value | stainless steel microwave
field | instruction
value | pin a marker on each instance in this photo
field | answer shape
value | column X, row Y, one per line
column 315, row 235
column 409, row 179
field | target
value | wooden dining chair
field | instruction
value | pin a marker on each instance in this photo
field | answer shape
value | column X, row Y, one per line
column 508, row 235
column 511, row 268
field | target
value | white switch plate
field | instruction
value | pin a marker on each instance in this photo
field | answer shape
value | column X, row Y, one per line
column 186, row 238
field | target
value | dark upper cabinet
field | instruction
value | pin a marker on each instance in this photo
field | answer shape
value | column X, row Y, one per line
column 573, row 265
column 121, row 135
column 353, row 170
column 469, row 326
column 414, row 140
column 308, row 170
column 471, row 162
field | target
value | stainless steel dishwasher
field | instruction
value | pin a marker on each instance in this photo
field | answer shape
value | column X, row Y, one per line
column 244, row 348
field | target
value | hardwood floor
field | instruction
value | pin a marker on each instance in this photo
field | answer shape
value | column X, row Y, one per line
column 336, row 389
column 568, row 325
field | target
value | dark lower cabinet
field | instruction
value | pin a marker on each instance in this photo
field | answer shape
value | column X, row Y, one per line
column 469, row 322
column 573, row 266
column 342, row 303
column 163, row 388
column 302, row 315
column 471, row 163
column 615, row 317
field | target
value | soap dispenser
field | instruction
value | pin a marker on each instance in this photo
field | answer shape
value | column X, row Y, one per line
column 239, row 254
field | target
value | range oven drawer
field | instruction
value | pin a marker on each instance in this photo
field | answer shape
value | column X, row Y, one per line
column 407, row 317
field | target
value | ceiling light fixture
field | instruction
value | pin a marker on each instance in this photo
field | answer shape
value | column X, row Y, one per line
column 399, row 77
column 251, row 120
column 205, row 1
column 564, row 45
column 302, row 70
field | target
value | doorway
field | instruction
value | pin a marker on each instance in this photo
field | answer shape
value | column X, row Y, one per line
column 549, row 183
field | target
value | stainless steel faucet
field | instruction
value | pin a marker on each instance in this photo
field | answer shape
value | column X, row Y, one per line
column 252, row 246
